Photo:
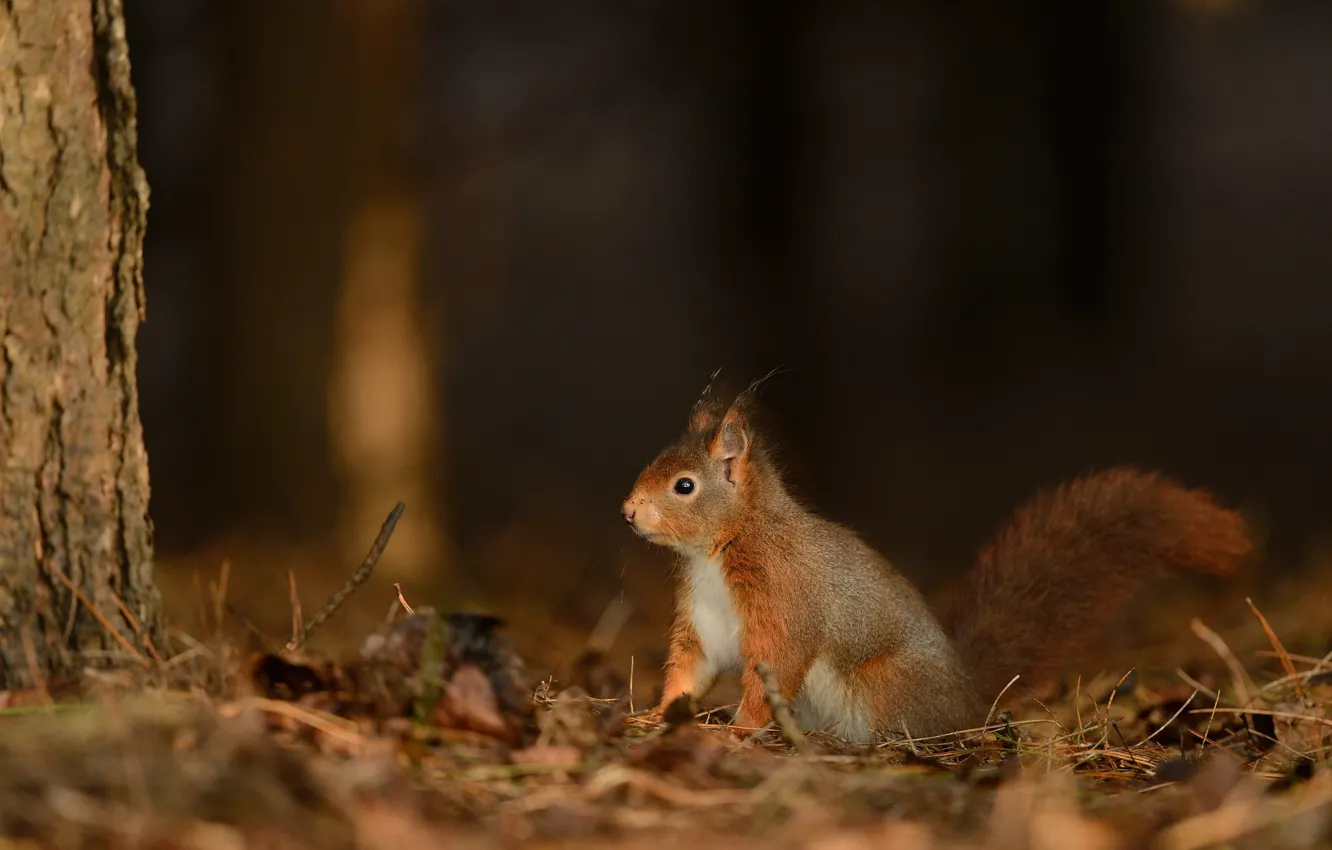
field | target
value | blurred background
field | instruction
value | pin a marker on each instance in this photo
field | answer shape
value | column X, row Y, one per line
column 482, row 257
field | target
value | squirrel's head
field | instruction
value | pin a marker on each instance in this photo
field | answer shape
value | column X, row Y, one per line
column 692, row 497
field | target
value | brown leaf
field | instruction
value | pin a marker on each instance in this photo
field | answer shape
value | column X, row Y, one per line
column 469, row 703
column 1302, row 736
column 686, row 750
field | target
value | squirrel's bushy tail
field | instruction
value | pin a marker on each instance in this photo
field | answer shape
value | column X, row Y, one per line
column 1068, row 561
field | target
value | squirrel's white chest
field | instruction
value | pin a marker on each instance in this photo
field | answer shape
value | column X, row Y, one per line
column 712, row 610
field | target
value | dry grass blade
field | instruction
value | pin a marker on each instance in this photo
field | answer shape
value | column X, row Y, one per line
column 199, row 600
column 1295, row 656
column 297, row 616
column 1240, row 677
column 267, row 641
column 97, row 615
column 220, row 590
column 1278, row 647
column 1173, row 717
column 326, row 723
column 402, row 600
column 995, row 704
column 134, row 624
column 1285, row 715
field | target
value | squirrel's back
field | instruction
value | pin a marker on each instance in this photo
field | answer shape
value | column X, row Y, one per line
column 884, row 661
column 1063, row 568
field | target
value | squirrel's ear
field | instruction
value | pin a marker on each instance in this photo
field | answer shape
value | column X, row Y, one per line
column 730, row 444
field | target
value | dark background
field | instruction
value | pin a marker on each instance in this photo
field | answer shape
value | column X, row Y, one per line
column 993, row 248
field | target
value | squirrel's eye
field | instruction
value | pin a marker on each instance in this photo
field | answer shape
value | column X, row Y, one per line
column 684, row 486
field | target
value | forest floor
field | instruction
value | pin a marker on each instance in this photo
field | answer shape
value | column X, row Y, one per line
column 433, row 732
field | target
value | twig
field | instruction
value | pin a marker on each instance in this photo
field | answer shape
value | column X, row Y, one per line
column 631, row 684
column 979, row 731
column 1051, row 713
column 1280, row 649
column 134, row 624
column 1295, row 656
column 186, row 655
column 1287, row 715
column 199, row 599
column 326, row 723
column 1198, row 686
column 220, row 590
column 249, row 624
column 781, row 711
column 1279, row 743
column 995, row 704
column 911, row 745
column 1111, row 701
column 297, row 616
column 1243, row 686
column 194, row 646
column 1077, row 706
column 402, row 600
column 1286, row 680
column 97, row 615
column 1172, row 719
column 355, row 580
column 1325, row 661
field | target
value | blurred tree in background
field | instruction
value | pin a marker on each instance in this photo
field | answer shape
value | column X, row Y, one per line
column 76, row 556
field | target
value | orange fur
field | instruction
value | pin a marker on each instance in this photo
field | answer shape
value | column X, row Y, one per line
column 1063, row 568
column 851, row 641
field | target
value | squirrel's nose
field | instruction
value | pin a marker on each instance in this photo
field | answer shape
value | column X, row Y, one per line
column 629, row 515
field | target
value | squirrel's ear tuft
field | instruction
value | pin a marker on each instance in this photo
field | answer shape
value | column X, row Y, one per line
column 730, row 444
column 706, row 415
column 707, row 411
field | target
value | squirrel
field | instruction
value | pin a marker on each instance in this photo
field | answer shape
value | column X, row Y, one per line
column 854, row 646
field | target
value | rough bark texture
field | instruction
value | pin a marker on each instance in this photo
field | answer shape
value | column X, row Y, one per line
column 74, row 483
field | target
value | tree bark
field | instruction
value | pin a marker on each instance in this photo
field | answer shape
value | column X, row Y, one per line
column 74, row 483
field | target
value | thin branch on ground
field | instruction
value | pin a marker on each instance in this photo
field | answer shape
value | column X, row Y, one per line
column 297, row 615
column 97, row 615
column 781, row 710
column 1239, row 676
column 356, row 579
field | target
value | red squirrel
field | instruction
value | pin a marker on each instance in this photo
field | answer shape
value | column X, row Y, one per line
column 854, row 646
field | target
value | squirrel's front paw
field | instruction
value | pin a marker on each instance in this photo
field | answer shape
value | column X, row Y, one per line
column 744, row 725
column 677, row 710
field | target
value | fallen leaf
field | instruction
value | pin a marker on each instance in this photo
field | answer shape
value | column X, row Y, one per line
column 469, row 703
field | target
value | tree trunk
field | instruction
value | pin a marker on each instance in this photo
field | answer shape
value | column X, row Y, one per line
column 74, row 483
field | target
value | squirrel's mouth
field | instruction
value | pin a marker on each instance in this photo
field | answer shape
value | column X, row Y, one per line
column 654, row 537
